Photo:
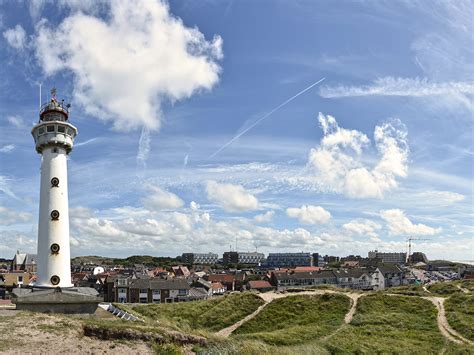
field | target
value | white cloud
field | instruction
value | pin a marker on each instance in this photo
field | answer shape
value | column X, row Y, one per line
column 390, row 86
column 16, row 121
column 440, row 197
column 7, row 148
column 339, row 167
column 362, row 227
column 125, row 66
column 399, row 224
column 308, row 214
column 16, row 37
column 9, row 216
column 161, row 199
column 194, row 206
column 264, row 217
column 232, row 198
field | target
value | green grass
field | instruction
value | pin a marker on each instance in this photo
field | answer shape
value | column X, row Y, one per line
column 296, row 319
column 460, row 314
column 444, row 289
column 410, row 290
column 390, row 324
column 211, row 315
column 467, row 284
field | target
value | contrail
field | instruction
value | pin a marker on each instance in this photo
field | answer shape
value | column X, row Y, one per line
column 262, row 118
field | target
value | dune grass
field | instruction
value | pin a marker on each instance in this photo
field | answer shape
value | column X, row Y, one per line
column 444, row 289
column 390, row 324
column 460, row 314
column 296, row 319
column 409, row 290
column 211, row 315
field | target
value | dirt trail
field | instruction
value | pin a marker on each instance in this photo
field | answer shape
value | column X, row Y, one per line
column 228, row 331
column 465, row 290
column 443, row 324
column 354, row 297
column 268, row 297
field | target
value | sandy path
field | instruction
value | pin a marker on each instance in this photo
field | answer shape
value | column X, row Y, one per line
column 354, row 297
column 228, row 331
column 465, row 290
column 270, row 296
column 443, row 324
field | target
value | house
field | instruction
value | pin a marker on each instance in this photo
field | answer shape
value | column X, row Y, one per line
column 16, row 279
column 260, row 285
column 355, row 278
column 227, row 280
column 180, row 271
column 218, row 288
column 387, row 275
column 24, row 262
column 288, row 279
column 158, row 290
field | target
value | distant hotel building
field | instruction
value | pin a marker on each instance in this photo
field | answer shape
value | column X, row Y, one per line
column 200, row 258
column 249, row 258
column 289, row 259
column 389, row 258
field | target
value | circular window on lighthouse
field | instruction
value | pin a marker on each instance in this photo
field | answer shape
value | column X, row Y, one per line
column 55, row 248
column 54, row 215
column 55, row 279
column 55, row 182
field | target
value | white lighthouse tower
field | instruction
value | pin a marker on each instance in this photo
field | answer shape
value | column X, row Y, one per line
column 54, row 138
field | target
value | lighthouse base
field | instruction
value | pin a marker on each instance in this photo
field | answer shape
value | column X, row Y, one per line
column 73, row 300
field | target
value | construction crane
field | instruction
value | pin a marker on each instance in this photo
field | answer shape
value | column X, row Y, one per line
column 409, row 239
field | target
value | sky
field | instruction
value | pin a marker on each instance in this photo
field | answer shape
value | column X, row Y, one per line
column 200, row 129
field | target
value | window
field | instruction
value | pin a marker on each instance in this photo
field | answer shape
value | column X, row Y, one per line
column 40, row 130
column 70, row 132
column 182, row 292
column 20, row 279
column 49, row 129
column 121, row 282
column 61, row 129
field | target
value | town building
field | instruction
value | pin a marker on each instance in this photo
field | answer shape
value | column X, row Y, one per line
column 200, row 258
column 289, row 259
column 389, row 258
column 246, row 258
column 290, row 279
column 24, row 262
column 353, row 278
column 149, row 290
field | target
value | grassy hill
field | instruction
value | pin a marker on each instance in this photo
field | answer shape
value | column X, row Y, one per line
column 211, row 315
column 296, row 319
column 460, row 314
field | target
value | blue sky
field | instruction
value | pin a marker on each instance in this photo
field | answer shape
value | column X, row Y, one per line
column 380, row 150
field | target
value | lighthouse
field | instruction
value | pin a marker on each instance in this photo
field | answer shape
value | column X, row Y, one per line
column 53, row 291
column 54, row 139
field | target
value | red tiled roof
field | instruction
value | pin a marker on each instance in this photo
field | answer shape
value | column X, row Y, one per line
column 222, row 278
column 217, row 286
column 307, row 268
column 259, row 284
